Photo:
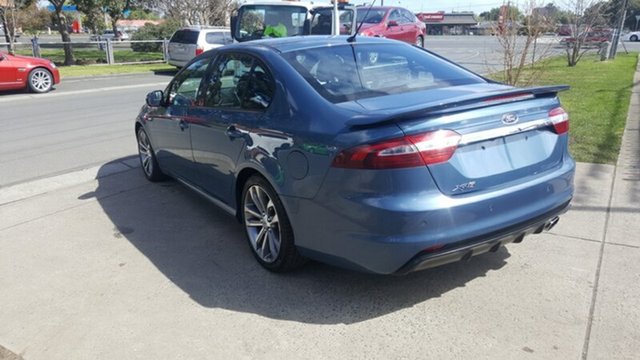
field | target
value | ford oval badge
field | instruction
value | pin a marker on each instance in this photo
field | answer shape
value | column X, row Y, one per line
column 510, row 118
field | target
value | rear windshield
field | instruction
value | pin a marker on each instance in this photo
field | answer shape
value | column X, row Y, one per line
column 352, row 72
column 263, row 21
column 185, row 37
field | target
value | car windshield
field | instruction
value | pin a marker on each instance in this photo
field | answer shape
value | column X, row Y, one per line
column 263, row 21
column 373, row 17
column 352, row 72
column 322, row 18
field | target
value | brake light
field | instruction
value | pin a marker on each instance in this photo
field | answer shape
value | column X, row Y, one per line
column 199, row 50
column 560, row 120
column 408, row 151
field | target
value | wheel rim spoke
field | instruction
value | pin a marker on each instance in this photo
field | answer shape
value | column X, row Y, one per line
column 262, row 223
column 144, row 150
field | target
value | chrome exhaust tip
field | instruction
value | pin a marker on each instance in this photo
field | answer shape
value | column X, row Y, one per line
column 551, row 223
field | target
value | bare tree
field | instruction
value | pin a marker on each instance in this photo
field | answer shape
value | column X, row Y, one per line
column 195, row 12
column 583, row 16
column 518, row 34
column 8, row 20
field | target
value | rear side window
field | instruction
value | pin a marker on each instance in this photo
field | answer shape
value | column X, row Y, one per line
column 185, row 37
column 352, row 72
column 218, row 38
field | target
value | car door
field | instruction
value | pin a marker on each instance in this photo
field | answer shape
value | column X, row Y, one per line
column 394, row 26
column 236, row 97
column 169, row 125
column 8, row 72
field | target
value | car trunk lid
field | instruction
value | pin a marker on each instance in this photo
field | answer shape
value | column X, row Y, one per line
column 506, row 134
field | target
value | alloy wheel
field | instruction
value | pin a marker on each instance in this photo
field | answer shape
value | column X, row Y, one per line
column 41, row 80
column 262, row 224
column 144, row 151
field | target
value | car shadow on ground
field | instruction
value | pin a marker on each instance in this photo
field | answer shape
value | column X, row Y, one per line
column 203, row 251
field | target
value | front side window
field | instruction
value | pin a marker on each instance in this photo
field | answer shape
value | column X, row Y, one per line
column 351, row 72
column 239, row 81
column 183, row 91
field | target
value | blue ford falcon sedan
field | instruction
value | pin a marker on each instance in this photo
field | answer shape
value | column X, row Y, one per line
column 371, row 154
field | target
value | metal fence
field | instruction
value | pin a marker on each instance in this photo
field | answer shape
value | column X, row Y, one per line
column 96, row 52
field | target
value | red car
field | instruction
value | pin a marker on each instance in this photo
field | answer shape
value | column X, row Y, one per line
column 393, row 23
column 26, row 72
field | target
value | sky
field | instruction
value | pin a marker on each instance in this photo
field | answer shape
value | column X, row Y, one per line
column 477, row 6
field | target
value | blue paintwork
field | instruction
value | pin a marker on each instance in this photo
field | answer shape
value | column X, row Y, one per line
column 373, row 220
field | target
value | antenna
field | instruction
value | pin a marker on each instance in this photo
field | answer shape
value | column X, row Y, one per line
column 352, row 38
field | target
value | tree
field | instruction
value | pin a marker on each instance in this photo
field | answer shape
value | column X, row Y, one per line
column 494, row 14
column 518, row 50
column 32, row 20
column 92, row 10
column 583, row 16
column 63, row 29
column 194, row 12
column 115, row 9
column 8, row 19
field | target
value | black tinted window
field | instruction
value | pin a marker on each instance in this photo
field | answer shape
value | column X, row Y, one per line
column 185, row 37
column 351, row 72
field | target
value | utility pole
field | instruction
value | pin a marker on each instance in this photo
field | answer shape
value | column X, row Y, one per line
column 618, row 31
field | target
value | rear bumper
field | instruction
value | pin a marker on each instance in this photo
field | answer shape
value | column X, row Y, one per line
column 178, row 63
column 489, row 243
column 396, row 232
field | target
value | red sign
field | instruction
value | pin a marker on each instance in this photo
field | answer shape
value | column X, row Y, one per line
column 431, row 17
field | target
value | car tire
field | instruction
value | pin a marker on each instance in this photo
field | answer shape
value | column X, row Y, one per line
column 634, row 38
column 40, row 80
column 267, row 227
column 420, row 41
column 148, row 160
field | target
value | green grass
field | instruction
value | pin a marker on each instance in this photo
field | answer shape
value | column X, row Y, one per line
column 96, row 55
column 597, row 102
column 95, row 70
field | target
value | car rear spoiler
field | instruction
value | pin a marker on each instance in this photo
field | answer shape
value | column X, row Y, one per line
column 457, row 104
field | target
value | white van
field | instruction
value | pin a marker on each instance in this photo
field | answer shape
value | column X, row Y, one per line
column 189, row 42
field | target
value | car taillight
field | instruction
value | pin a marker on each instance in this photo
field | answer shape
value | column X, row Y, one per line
column 409, row 151
column 199, row 50
column 560, row 120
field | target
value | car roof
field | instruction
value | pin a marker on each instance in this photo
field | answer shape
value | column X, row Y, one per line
column 295, row 43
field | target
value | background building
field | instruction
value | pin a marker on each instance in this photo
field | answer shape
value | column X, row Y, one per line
column 441, row 23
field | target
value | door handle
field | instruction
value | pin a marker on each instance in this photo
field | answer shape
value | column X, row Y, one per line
column 183, row 124
column 234, row 133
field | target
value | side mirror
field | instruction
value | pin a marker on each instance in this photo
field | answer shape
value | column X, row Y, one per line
column 392, row 23
column 154, row 98
column 234, row 25
column 1, row 57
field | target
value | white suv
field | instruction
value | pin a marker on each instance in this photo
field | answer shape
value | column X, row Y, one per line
column 189, row 42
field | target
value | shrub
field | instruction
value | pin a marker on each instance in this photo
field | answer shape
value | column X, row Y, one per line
column 153, row 32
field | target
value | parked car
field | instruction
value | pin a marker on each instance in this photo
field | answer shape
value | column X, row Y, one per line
column 391, row 22
column 633, row 36
column 594, row 38
column 25, row 72
column 373, row 155
column 109, row 35
column 189, row 42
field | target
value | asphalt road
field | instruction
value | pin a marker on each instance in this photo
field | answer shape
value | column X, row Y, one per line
column 84, row 122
